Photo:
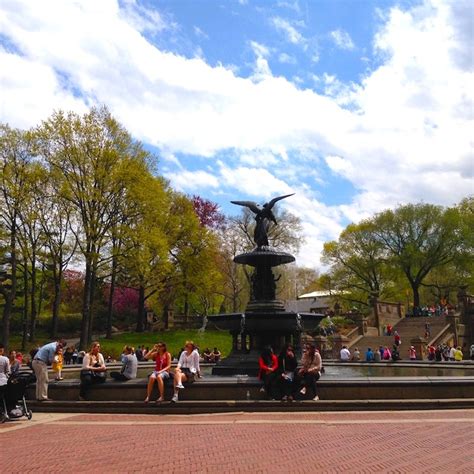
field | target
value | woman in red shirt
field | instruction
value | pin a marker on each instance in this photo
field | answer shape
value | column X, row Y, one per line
column 268, row 364
column 162, row 359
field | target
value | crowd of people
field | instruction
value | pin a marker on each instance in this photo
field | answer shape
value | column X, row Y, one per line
column 439, row 353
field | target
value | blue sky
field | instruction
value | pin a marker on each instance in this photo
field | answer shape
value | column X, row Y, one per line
column 354, row 105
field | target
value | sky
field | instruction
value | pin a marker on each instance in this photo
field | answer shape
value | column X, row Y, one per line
column 354, row 105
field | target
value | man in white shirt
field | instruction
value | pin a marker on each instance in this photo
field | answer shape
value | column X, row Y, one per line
column 4, row 367
column 345, row 354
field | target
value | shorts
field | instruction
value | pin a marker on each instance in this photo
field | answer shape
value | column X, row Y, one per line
column 163, row 375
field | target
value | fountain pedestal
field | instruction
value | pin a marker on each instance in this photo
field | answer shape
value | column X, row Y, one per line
column 265, row 321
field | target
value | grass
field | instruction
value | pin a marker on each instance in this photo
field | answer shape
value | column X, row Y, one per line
column 174, row 340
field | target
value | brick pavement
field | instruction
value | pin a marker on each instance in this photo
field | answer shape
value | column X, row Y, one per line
column 425, row 441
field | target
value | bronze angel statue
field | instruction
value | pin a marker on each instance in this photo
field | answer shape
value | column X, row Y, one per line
column 263, row 216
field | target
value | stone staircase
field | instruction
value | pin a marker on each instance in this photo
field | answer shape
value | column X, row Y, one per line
column 408, row 328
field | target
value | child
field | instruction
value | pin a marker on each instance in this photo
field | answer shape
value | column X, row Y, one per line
column 57, row 365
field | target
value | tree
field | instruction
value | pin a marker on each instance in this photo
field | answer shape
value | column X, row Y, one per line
column 359, row 265
column 59, row 230
column 92, row 156
column 420, row 238
column 15, row 157
column 208, row 213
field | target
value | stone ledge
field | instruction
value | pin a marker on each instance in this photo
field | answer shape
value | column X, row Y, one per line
column 228, row 406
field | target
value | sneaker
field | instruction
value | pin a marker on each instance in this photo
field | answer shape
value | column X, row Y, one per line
column 175, row 398
column 147, row 399
column 315, row 399
column 180, row 385
column 262, row 390
column 303, row 391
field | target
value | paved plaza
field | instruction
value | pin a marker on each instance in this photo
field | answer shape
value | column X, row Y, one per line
column 422, row 441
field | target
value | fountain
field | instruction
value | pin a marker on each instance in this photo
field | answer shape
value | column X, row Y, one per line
column 265, row 320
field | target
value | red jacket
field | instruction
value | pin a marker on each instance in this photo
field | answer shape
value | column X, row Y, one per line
column 264, row 368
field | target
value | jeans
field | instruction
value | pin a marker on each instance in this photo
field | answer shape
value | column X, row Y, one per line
column 118, row 376
column 309, row 381
column 86, row 381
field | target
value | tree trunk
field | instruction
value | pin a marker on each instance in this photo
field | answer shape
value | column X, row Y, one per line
column 86, row 305
column 41, row 290
column 33, row 310
column 416, row 294
column 166, row 316
column 10, row 296
column 93, row 287
column 141, row 309
column 110, row 306
column 57, row 277
column 24, row 323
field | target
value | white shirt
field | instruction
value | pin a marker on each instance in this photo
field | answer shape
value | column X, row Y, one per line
column 86, row 363
column 345, row 354
column 4, row 370
column 190, row 361
column 452, row 352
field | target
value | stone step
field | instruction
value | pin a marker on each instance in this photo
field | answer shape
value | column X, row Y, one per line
column 228, row 406
column 231, row 388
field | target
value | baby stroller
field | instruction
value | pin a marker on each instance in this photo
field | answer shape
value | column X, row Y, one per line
column 13, row 403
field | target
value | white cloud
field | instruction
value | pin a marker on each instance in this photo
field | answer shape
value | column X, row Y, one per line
column 288, row 30
column 342, row 39
column 192, row 180
column 286, row 58
column 405, row 138
column 200, row 33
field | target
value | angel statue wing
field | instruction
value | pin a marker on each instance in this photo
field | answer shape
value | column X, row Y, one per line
column 270, row 204
column 254, row 207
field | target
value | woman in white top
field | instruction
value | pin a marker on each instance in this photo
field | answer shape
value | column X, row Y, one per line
column 187, row 368
column 93, row 369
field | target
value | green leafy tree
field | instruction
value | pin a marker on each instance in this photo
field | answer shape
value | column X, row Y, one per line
column 92, row 156
column 420, row 238
column 15, row 158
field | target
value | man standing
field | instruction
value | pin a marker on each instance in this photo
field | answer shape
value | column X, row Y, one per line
column 42, row 359
column 4, row 369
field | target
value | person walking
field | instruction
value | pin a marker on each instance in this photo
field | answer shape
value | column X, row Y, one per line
column 44, row 357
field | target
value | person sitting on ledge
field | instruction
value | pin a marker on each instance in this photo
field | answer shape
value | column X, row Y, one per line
column 287, row 364
column 162, row 359
column 187, row 368
column 310, row 371
column 377, row 357
column 345, row 354
column 216, row 355
column 207, row 355
column 93, row 370
column 356, row 355
column 129, row 366
column 268, row 365
column 387, row 355
column 369, row 355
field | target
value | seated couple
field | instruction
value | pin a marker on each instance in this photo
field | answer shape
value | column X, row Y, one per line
column 281, row 377
column 186, row 370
